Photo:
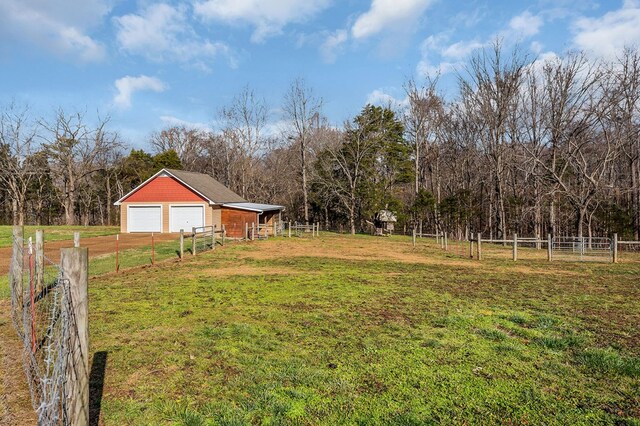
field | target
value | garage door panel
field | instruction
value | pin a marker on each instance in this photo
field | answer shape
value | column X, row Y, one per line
column 186, row 217
column 144, row 219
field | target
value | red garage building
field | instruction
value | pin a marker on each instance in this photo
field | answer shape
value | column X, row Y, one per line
column 172, row 200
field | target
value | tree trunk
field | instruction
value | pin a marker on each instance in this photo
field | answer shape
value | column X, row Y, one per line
column 635, row 195
column 305, row 196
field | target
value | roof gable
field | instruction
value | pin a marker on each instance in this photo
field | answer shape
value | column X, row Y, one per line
column 200, row 184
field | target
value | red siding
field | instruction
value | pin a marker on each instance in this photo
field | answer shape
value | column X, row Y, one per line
column 163, row 189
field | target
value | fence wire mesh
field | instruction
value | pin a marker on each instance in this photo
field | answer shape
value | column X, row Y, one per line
column 42, row 315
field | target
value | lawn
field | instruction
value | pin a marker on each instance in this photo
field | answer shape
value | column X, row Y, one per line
column 362, row 330
column 57, row 233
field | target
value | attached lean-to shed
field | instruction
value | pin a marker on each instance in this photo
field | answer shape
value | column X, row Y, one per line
column 172, row 200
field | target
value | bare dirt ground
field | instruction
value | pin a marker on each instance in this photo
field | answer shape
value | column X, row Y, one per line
column 97, row 246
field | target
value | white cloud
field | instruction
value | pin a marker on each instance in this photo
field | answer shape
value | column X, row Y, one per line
column 161, row 32
column 332, row 44
column 267, row 16
column 170, row 120
column 128, row 85
column 462, row 49
column 426, row 69
column 381, row 98
column 526, row 24
column 60, row 26
column 611, row 32
column 388, row 14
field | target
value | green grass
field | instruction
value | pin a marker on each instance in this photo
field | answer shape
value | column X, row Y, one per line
column 57, row 233
column 277, row 332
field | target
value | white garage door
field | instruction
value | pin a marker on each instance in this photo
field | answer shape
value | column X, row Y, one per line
column 144, row 219
column 186, row 217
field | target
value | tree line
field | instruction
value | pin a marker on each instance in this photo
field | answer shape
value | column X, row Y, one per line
column 524, row 145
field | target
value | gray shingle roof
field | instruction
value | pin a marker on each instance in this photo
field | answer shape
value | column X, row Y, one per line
column 207, row 186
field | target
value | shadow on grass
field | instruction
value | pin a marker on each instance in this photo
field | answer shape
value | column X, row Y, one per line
column 96, row 386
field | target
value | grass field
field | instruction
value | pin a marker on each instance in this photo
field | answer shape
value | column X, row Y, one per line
column 364, row 330
column 57, row 233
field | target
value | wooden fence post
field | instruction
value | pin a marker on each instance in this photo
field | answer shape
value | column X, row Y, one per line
column 413, row 233
column 224, row 234
column 253, row 231
column 471, row 247
column 39, row 259
column 615, row 248
column 76, row 239
column 181, row 244
column 16, row 270
column 74, row 263
column 549, row 248
column 289, row 229
column 538, row 242
column 193, row 241
column 479, row 246
column 117, row 253
column 246, row 231
column 515, row 246
column 446, row 242
column 213, row 237
column 153, row 249
column 420, row 228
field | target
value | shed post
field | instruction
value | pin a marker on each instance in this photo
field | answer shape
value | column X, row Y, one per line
column 549, row 248
column 181, row 244
column 479, row 246
column 615, row 248
column 515, row 246
column 76, row 239
column 39, row 259
column 74, row 263
column 193, row 241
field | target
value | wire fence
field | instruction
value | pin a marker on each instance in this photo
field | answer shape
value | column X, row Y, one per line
column 45, row 321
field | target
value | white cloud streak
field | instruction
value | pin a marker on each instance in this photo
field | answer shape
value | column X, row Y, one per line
column 388, row 14
column 268, row 17
column 162, row 33
column 128, row 85
column 59, row 26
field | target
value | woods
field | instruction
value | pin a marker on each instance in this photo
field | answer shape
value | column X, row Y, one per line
column 525, row 145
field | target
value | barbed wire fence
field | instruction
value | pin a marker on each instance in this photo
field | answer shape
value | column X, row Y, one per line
column 49, row 313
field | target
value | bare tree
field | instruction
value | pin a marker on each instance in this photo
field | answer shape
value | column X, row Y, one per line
column 17, row 135
column 73, row 147
column 302, row 110
column 187, row 143
column 244, row 125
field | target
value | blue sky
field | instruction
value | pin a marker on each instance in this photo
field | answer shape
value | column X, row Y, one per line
column 151, row 64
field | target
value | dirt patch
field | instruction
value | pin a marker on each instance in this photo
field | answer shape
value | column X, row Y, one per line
column 98, row 246
column 15, row 400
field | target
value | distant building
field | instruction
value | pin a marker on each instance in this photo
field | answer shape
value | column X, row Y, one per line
column 172, row 200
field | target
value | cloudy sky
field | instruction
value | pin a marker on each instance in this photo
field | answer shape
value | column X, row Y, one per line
column 151, row 64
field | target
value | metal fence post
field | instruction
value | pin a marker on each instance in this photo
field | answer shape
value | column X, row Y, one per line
column 549, row 248
column 74, row 263
column 515, row 246
column 615, row 248
column 39, row 259
column 479, row 246
column 181, row 244
column 193, row 241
